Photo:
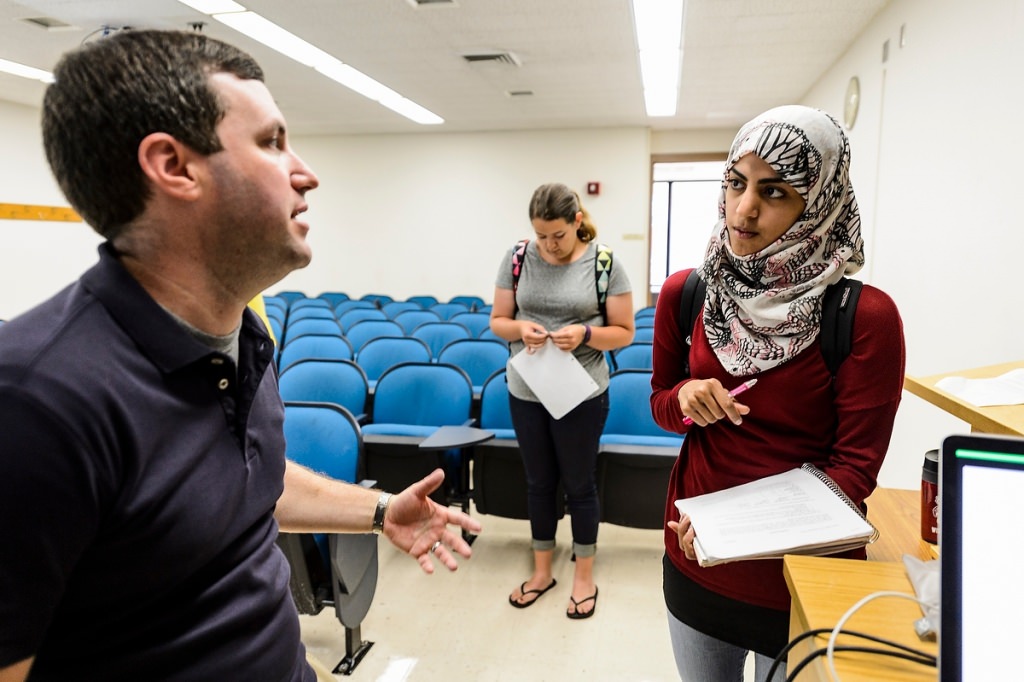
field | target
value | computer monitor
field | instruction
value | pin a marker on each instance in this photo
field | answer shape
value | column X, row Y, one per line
column 981, row 488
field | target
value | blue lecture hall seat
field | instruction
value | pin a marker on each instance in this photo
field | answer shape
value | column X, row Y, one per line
column 315, row 346
column 437, row 335
column 376, row 299
column 642, row 322
column 423, row 301
column 446, row 310
column 647, row 311
column 340, row 382
column 411, row 400
column 636, row 455
column 479, row 358
column 310, row 325
column 637, row 355
column 317, row 312
column 410, row 319
column 342, row 307
column 309, row 303
column 643, row 334
column 474, row 322
column 471, row 302
column 366, row 330
column 382, row 353
column 333, row 298
column 290, row 296
column 394, row 307
column 338, row 569
column 351, row 317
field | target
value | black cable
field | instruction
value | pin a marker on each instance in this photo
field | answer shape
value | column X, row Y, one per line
column 853, row 633
column 926, row 659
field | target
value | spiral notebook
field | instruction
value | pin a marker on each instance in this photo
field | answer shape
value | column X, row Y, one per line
column 801, row 511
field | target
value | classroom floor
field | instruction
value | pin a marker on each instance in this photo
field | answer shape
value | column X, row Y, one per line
column 459, row 626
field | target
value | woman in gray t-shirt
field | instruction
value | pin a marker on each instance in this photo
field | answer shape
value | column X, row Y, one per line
column 554, row 298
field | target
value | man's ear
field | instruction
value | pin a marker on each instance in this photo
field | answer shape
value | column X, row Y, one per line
column 168, row 164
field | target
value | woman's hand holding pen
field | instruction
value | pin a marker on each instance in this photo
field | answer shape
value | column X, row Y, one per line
column 705, row 401
column 534, row 336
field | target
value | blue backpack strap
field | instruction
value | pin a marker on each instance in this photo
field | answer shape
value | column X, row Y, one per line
column 602, row 277
column 690, row 303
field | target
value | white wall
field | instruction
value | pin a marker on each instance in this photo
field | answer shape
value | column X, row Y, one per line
column 435, row 214
column 36, row 258
column 936, row 153
column 935, row 165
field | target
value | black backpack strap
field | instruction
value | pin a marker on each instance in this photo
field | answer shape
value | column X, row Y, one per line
column 690, row 303
column 838, row 308
column 602, row 277
column 518, row 261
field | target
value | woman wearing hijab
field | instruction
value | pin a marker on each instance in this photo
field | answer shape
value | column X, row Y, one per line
column 788, row 227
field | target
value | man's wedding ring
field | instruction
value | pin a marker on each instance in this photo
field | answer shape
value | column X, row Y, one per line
column 433, row 548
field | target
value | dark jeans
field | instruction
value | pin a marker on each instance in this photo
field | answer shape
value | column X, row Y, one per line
column 561, row 449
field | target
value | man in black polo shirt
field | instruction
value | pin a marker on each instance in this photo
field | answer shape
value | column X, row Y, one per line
column 142, row 469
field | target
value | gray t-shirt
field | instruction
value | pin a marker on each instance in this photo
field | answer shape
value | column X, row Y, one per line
column 554, row 296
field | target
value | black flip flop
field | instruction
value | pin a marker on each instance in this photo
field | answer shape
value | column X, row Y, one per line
column 576, row 614
column 539, row 593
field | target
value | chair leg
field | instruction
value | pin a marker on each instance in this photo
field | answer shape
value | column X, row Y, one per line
column 355, row 649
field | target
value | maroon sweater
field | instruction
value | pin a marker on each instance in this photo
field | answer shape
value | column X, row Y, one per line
column 797, row 415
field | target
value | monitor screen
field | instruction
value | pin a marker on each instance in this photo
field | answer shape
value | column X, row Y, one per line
column 981, row 486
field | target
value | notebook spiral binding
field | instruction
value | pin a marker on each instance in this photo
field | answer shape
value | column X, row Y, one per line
column 834, row 487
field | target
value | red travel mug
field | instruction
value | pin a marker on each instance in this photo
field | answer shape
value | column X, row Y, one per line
column 930, row 497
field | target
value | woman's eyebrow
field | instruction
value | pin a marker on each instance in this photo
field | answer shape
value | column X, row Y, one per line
column 762, row 181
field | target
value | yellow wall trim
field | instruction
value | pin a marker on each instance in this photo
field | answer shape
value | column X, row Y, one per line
column 30, row 212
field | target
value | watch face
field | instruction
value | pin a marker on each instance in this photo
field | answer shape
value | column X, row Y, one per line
column 852, row 102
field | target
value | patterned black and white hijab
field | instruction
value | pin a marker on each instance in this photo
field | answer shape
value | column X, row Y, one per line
column 763, row 309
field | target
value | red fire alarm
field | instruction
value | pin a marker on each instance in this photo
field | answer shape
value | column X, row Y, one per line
column 594, row 188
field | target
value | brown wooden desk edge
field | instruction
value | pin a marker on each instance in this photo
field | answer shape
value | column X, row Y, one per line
column 1006, row 420
column 896, row 513
column 824, row 588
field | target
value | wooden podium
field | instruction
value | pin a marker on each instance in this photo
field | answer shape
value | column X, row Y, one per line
column 823, row 589
column 1002, row 419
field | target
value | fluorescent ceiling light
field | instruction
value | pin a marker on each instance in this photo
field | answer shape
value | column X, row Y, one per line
column 213, row 6
column 274, row 37
column 17, row 69
column 371, row 89
column 290, row 45
column 659, row 35
column 355, row 80
column 412, row 111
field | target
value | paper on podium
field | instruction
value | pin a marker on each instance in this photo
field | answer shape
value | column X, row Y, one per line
column 1006, row 389
column 556, row 377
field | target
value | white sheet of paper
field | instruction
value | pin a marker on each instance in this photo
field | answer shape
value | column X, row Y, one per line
column 556, row 377
column 1006, row 389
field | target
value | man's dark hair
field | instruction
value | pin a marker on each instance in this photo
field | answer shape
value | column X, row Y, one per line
column 110, row 94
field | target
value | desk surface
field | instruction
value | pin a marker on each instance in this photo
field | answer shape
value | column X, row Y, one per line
column 449, row 437
column 824, row 589
column 1004, row 419
column 896, row 514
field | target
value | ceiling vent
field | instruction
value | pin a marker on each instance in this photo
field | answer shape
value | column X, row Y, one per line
column 499, row 58
column 431, row 3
